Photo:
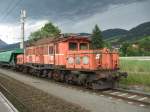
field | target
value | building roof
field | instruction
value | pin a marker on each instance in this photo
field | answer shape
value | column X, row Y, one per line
column 52, row 40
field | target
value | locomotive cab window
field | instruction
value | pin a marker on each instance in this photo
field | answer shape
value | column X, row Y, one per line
column 83, row 46
column 72, row 46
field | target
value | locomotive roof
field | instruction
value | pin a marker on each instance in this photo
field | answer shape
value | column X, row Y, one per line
column 60, row 39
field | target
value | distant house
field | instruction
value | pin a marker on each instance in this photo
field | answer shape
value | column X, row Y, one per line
column 116, row 46
column 135, row 45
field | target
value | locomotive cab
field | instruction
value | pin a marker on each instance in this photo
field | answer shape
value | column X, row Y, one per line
column 80, row 56
column 77, row 55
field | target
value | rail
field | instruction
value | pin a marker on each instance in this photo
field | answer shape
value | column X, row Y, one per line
column 130, row 96
column 13, row 99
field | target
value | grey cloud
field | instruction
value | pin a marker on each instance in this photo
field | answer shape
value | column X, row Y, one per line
column 58, row 10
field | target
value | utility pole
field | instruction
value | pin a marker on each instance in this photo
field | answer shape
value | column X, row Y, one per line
column 22, row 19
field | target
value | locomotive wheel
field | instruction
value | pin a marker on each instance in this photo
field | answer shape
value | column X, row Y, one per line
column 44, row 73
column 20, row 68
column 31, row 71
column 81, row 79
column 25, row 70
column 62, row 77
column 66, row 78
column 88, row 85
column 50, row 75
column 38, row 73
column 57, row 76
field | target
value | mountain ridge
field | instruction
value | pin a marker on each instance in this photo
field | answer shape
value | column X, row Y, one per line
column 2, row 43
column 133, row 34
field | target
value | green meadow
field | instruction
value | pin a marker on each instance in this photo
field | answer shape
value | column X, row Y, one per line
column 138, row 72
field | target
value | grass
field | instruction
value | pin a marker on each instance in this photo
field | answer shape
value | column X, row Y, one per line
column 138, row 72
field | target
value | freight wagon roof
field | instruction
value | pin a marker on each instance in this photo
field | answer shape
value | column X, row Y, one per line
column 7, row 55
column 51, row 39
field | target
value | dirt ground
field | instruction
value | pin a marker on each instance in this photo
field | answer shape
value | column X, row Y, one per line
column 36, row 100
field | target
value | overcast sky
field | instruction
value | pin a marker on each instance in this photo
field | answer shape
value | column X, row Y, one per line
column 71, row 15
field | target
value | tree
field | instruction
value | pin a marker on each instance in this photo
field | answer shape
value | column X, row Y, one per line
column 145, row 44
column 124, row 48
column 97, row 41
column 49, row 30
column 108, row 45
column 131, row 51
column 35, row 35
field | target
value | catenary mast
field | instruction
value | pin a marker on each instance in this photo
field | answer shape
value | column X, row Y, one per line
column 22, row 19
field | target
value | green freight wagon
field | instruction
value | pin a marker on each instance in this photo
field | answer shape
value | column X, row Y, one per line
column 8, row 58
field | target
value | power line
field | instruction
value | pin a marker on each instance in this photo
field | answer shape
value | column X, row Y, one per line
column 11, row 9
column 7, row 7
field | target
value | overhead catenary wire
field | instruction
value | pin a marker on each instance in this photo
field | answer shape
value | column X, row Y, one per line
column 10, row 10
column 6, row 9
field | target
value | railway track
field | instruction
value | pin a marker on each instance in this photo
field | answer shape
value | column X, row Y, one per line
column 11, row 97
column 131, row 97
column 29, row 99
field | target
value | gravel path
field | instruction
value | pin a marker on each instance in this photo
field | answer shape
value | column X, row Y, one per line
column 89, row 101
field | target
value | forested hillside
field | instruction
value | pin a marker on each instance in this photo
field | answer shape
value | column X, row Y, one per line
column 107, row 34
column 133, row 34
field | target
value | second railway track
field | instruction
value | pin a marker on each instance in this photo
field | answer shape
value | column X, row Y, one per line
column 131, row 97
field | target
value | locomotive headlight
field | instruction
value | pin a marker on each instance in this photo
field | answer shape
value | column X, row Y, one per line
column 70, row 60
column 85, row 60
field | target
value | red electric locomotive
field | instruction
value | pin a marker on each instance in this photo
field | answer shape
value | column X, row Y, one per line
column 70, row 59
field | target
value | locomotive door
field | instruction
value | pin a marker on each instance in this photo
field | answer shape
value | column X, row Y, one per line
column 41, row 54
column 74, row 61
column 85, row 61
column 77, row 61
column 41, row 57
